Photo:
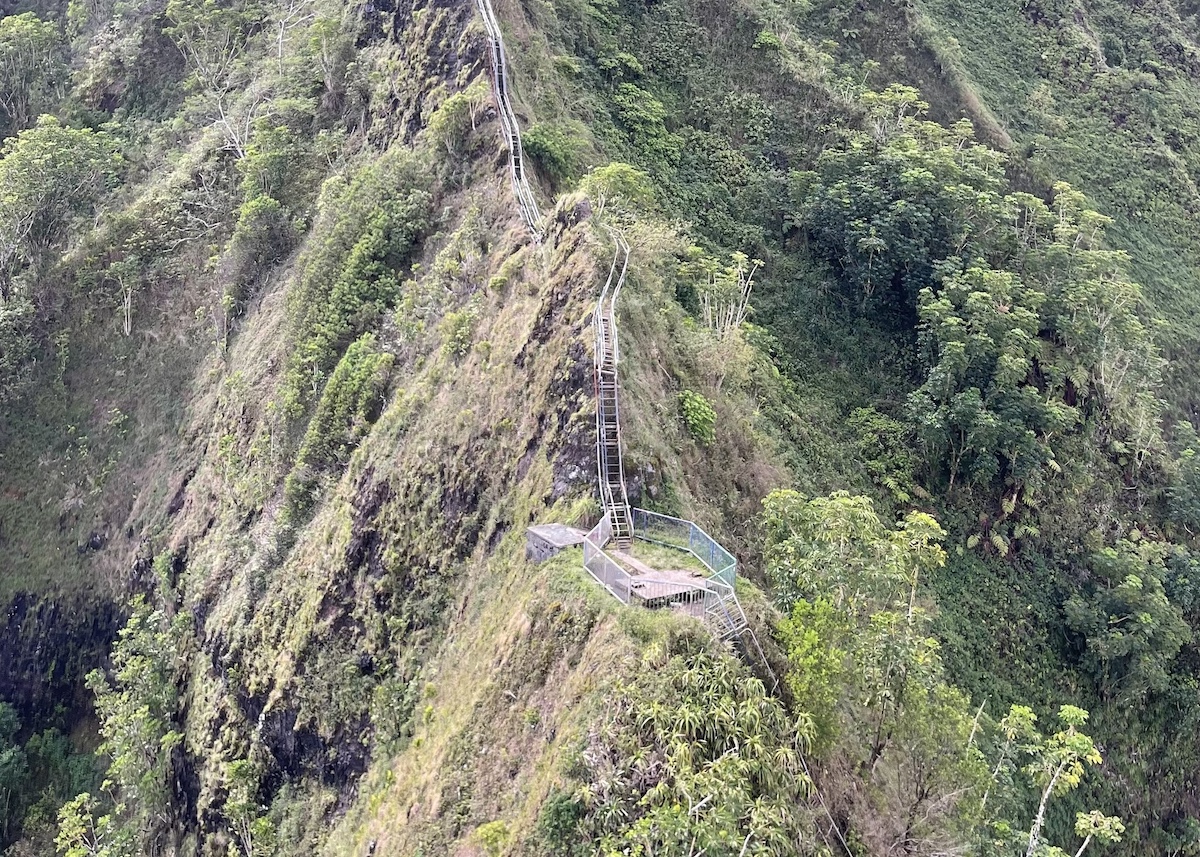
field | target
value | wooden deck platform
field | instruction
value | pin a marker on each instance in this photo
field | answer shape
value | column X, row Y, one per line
column 678, row 588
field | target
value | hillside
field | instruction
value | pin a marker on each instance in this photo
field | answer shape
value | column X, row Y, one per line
column 289, row 362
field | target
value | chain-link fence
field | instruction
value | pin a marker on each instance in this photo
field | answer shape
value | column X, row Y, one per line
column 687, row 536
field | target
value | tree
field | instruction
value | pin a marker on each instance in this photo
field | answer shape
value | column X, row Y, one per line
column 1059, row 763
column 1132, row 631
column 978, row 410
column 83, row 833
column 1096, row 825
column 14, row 769
column 290, row 15
column 254, row 832
column 619, row 188
column 31, row 68
column 863, row 667
column 137, row 710
column 555, row 148
column 48, row 173
column 694, row 758
column 1056, row 764
column 724, row 290
column 1103, row 353
column 1048, row 344
column 836, row 547
column 890, row 203
column 212, row 36
column 1029, row 328
column 457, row 116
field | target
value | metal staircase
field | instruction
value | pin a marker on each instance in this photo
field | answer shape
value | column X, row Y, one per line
column 526, row 201
column 711, row 600
column 613, row 495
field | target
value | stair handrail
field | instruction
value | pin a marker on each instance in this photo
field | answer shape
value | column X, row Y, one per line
column 597, row 321
column 526, row 201
column 623, row 248
column 606, row 347
column 607, row 571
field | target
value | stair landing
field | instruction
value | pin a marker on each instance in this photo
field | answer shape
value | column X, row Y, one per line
column 657, row 584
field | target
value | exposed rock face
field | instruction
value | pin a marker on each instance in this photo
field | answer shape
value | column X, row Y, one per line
column 48, row 646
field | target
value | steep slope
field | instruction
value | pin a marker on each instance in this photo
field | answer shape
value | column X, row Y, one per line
column 330, row 513
column 292, row 370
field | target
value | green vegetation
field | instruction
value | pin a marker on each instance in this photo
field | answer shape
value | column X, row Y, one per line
column 698, row 416
column 137, row 715
column 350, row 402
column 350, row 277
column 692, row 755
column 48, row 174
column 276, row 353
column 32, row 69
column 555, row 150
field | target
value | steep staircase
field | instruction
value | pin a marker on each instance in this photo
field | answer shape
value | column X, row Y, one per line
column 710, row 598
column 613, row 495
column 526, row 201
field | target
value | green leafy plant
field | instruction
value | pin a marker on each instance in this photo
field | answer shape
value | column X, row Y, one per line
column 1132, row 630
column 349, row 404
column 48, row 173
column 620, row 188
column 885, row 448
column 31, row 69
column 457, row 116
column 493, row 836
column 691, row 725
column 699, row 417
column 349, row 277
column 458, row 330
column 555, row 149
column 137, row 711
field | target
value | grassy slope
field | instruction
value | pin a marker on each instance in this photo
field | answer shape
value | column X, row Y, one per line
column 394, row 596
column 318, row 654
column 413, row 565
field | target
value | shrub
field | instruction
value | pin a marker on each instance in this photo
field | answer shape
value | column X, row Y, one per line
column 619, row 186
column 261, row 238
column 643, row 117
column 493, row 836
column 767, row 41
column 886, row 450
column 458, row 329
column 558, row 825
column 277, row 157
column 349, row 404
column 455, row 117
column 367, row 228
column 555, row 150
column 698, row 416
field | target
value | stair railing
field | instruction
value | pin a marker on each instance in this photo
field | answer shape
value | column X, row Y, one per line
column 610, row 466
column 526, row 201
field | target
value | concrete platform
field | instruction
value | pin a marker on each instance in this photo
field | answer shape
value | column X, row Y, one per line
column 543, row 541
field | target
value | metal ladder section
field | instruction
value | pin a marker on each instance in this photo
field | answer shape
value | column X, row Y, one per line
column 613, row 495
column 727, row 622
column 526, row 202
